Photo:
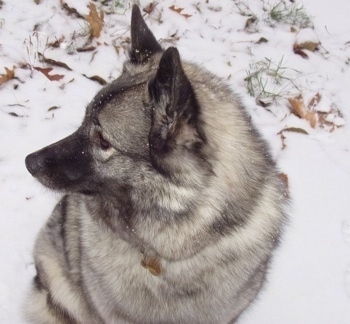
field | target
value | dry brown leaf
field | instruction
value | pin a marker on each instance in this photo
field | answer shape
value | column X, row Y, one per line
column 179, row 11
column 251, row 25
column 289, row 129
column 299, row 48
column 262, row 40
column 57, row 43
column 86, row 49
column 314, row 101
column 310, row 46
column 328, row 120
column 299, row 51
column 295, row 130
column 71, row 11
column 10, row 74
column 46, row 72
column 96, row 78
column 53, row 108
column 46, row 60
column 331, row 120
column 95, row 20
column 150, row 7
column 299, row 109
column 282, row 139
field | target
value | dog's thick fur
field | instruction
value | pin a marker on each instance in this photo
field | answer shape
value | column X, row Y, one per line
column 173, row 205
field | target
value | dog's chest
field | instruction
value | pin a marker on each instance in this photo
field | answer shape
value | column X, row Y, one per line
column 116, row 265
column 122, row 280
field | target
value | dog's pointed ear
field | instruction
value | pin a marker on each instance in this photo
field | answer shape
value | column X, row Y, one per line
column 143, row 42
column 175, row 109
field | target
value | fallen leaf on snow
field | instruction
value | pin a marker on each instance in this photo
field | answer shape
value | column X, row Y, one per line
column 57, row 43
column 53, row 108
column 282, row 139
column 264, row 101
column 13, row 114
column 314, row 101
column 299, row 109
column 150, row 7
column 10, row 74
column 306, row 39
column 289, row 129
column 86, row 49
column 53, row 62
column 295, row 130
column 71, row 11
column 318, row 112
column 300, row 52
column 46, row 72
column 251, row 25
column 262, row 40
column 179, row 11
column 332, row 119
column 310, row 46
column 96, row 78
column 95, row 20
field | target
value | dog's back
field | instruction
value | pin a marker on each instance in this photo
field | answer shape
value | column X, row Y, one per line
column 174, row 204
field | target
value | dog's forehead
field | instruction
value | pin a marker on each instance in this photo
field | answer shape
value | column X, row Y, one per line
column 112, row 92
column 118, row 91
column 119, row 109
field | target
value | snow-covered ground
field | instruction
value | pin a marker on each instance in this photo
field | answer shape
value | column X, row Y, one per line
column 309, row 280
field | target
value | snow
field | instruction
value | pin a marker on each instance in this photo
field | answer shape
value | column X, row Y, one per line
column 307, row 35
column 309, row 279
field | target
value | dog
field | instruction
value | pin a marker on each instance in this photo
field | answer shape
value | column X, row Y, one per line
column 173, row 205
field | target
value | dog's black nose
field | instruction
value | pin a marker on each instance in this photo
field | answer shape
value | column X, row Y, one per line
column 33, row 163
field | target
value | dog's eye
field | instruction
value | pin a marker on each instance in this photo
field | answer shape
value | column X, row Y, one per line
column 104, row 144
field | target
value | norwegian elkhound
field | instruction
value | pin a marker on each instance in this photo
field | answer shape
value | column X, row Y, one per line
column 173, row 205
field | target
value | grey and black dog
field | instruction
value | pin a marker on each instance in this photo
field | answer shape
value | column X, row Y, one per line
column 173, row 206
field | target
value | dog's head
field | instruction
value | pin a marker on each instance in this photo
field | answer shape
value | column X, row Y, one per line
column 146, row 124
